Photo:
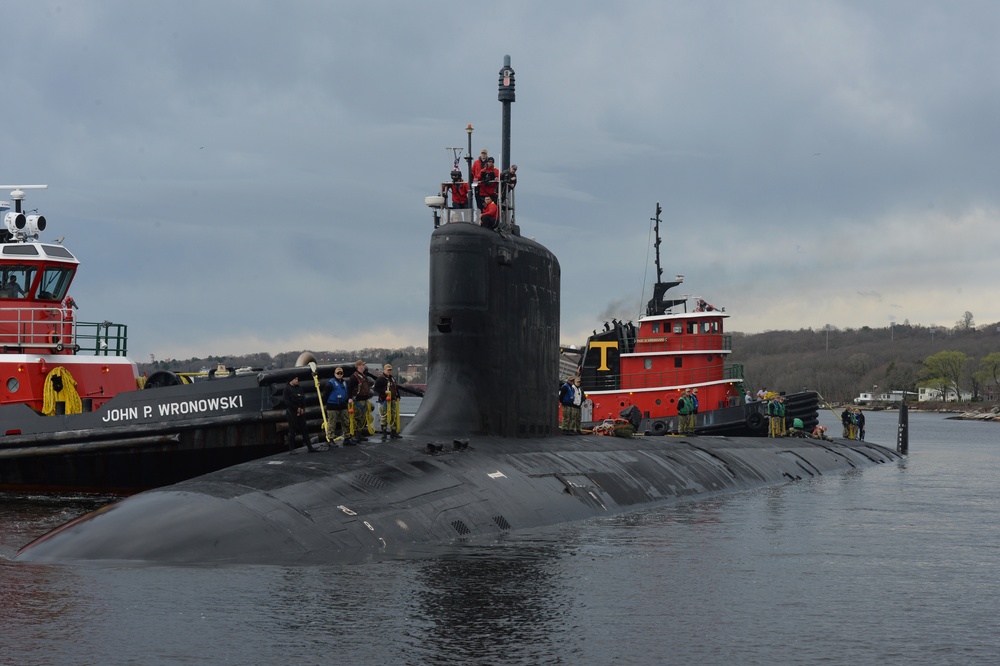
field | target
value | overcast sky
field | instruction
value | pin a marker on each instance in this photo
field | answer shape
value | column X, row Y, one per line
column 249, row 176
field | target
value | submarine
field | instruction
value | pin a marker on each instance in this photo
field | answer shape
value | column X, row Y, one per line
column 482, row 457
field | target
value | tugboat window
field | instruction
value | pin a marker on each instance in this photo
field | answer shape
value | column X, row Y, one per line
column 54, row 283
column 678, row 328
column 15, row 281
column 13, row 385
column 677, row 362
column 647, row 363
column 656, row 327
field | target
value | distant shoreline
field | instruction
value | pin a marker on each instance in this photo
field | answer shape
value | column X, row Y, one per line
column 987, row 412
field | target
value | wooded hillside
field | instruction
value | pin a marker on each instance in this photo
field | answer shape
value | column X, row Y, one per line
column 839, row 363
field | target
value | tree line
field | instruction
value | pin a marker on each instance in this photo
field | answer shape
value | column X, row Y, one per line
column 376, row 357
column 841, row 363
column 838, row 363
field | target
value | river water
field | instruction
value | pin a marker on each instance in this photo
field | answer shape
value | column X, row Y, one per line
column 892, row 564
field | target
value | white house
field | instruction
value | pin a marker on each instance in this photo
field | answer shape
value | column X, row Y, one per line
column 890, row 396
column 928, row 394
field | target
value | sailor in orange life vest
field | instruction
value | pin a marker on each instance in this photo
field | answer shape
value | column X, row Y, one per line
column 488, row 218
column 459, row 191
column 360, row 391
column 477, row 168
column 489, row 179
column 387, row 391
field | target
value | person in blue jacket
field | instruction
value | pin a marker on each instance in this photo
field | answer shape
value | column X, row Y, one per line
column 337, row 415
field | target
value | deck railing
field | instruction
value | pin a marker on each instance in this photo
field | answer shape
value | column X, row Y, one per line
column 673, row 378
column 46, row 328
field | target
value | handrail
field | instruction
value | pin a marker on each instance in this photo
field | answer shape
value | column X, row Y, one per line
column 53, row 329
column 670, row 342
column 675, row 378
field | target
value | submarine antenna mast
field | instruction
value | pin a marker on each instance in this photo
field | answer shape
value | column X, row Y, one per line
column 468, row 157
column 506, row 97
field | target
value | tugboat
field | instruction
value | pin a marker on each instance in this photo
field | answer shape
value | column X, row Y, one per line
column 638, row 373
column 43, row 345
column 75, row 416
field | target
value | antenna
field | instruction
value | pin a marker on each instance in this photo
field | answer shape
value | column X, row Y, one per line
column 457, row 152
column 656, row 227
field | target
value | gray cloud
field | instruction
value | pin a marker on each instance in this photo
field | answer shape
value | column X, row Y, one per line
column 249, row 176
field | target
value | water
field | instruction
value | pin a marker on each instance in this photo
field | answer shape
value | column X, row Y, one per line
column 892, row 564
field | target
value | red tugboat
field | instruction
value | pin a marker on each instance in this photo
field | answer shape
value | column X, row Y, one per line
column 639, row 373
column 43, row 345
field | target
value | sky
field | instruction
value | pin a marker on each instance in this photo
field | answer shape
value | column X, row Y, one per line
column 249, row 176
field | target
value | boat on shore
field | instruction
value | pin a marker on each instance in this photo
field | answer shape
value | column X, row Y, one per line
column 76, row 416
column 639, row 372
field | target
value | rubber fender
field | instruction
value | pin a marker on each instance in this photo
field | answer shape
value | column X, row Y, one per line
column 755, row 421
column 659, row 427
column 162, row 378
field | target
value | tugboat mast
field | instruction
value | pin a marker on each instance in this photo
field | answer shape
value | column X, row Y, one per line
column 656, row 245
column 657, row 305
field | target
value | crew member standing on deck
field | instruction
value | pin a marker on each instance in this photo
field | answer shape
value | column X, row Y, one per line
column 774, row 416
column 295, row 411
column 489, row 179
column 338, row 416
column 459, row 190
column 488, row 218
column 359, row 391
column 387, row 393
column 508, row 181
column 685, row 415
column 477, row 168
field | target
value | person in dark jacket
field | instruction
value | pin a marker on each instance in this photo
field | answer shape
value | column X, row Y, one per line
column 295, row 411
column 359, row 391
column 571, row 397
column 387, row 394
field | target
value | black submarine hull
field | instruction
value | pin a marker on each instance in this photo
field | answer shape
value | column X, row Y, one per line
column 467, row 466
column 388, row 500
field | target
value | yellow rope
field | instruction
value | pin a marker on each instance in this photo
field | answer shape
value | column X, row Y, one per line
column 370, row 418
column 322, row 408
column 67, row 395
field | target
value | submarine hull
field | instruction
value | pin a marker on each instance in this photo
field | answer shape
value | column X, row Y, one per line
column 388, row 500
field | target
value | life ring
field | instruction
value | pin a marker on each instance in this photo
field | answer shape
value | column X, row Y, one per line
column 755, row 421
column 659, row 427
